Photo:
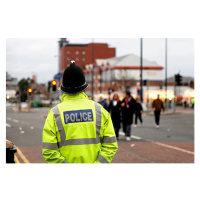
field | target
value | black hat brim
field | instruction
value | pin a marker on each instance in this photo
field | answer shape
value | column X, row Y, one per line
column 75, row 90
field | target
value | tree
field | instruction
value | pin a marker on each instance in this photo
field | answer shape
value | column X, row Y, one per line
column 24, row 84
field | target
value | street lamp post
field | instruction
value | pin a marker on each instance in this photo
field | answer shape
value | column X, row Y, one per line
column 92, row 68
column 141, row 65
column 166, row 72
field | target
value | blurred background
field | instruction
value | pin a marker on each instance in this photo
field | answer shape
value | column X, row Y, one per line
column 144, row 66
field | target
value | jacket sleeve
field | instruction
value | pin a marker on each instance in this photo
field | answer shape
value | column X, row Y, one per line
column 109, row 143
column 132, row 105
column 50, row 151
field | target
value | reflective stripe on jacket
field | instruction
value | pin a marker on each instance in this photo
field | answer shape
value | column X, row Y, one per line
column 78, row 130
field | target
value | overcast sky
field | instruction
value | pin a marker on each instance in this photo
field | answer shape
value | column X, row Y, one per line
column 25, row 57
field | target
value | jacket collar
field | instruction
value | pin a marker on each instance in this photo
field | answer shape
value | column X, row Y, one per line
column 66, row 97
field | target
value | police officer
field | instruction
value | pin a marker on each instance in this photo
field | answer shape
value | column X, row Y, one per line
column 78, row 130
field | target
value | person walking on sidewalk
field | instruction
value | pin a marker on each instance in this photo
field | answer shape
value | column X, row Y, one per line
column 78, row 130
column 103, row 102
column 115, row 109
column 138, row 112
column 157, row 105
column 192, row 102
column 128, row 109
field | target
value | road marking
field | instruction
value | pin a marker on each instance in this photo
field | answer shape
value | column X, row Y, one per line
column 132, row 136
column 172, row 147
column 22, row 156
column 16, row 159
column 8, row 125
column 8, row 118
column 15, row 120
column 166, row 145
column 22, row 132
column 32, row 127
column 20, row 128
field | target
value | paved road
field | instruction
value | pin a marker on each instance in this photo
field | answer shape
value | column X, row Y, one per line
column 173, row 142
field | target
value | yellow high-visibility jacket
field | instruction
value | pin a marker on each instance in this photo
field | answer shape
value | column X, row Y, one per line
column 78, row 130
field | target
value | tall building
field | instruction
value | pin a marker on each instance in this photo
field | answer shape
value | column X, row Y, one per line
column 82, row 54
column 123, row 72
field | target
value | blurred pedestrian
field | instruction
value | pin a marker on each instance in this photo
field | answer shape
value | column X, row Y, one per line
column 157, row 105
column 185, row 103
column 192, row 102
column 78, row 130
column 115, row 109
column 103, row 102
column 128, row 109
column 138, row 112
column 170, row 103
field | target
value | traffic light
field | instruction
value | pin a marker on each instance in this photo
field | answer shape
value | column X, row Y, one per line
column 138, row 91
column 145, row 82
column 29, row 91
column 178, row 79
column 54, row 83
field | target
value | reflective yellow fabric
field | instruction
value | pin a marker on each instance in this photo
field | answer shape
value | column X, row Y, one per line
column 68, row 138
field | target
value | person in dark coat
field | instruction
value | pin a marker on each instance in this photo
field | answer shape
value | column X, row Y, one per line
column 157, row 105
column 115, row 109
column 103, row 102
column 138, row 112
column 128, row 109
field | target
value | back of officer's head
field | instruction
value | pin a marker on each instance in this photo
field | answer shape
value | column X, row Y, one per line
column 73, row 81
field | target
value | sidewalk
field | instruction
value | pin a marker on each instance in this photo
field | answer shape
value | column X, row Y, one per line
column 178, row 110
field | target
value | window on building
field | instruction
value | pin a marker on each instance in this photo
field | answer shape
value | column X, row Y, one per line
column 83, row 59
column 83, row 52
column 77, row 59
column 77, row 53
column 68, row 59
column 68, row 52
column 99, row 76
column 99, row 85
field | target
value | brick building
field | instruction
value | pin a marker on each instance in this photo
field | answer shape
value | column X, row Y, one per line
column 82, row 53
column 121, row 73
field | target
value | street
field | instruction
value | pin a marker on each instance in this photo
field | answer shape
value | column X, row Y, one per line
column 173, row 142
